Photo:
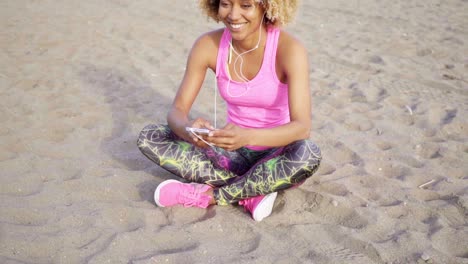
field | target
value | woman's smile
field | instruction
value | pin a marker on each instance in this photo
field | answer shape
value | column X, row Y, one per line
column 236, row 27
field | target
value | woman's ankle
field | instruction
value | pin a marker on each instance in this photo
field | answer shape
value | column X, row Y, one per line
column 210, row 193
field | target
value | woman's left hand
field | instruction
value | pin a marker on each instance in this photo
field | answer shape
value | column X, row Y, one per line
column 230, row 137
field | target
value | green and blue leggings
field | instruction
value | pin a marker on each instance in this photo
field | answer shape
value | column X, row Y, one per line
column 235, row 175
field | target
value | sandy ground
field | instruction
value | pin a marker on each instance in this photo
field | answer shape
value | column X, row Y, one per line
column 80, row 79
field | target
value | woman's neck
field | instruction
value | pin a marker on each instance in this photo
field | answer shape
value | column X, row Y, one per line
column 256, row 40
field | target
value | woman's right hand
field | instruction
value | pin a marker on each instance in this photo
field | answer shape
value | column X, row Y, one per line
column 199, row 123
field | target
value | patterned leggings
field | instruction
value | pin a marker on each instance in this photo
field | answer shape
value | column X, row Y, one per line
column 235, row 175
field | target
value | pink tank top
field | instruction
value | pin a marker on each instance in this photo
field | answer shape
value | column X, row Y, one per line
column 263, row 101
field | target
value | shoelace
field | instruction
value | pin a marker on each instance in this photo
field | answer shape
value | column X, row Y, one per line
column 192, row 196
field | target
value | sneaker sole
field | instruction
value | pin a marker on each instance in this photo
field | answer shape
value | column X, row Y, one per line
column 158, row 189
column 265, row 207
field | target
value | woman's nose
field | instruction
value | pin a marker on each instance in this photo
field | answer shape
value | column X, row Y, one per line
column 235, row 13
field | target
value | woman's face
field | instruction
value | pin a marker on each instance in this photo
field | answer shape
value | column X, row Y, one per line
column 241, row 17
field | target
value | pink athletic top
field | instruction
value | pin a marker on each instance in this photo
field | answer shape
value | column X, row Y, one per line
column 263, row 101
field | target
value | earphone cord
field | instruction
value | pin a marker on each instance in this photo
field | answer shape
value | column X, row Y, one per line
column 241, row 75
column 215, row 103
column 208, row 143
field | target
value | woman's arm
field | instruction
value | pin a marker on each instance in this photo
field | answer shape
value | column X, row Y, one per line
column 201, row 58
column 293, row 67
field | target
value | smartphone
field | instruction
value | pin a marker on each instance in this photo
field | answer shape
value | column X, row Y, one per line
column 198, row 131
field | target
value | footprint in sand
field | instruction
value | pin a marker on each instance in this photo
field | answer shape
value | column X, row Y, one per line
column 325, row 169
column 411, row 161
column 330, row 211
column 439, row 115
column 326, row 245
column 341, row 154
column 456, row 130
column 427, row 150
column 334, row 188
column 388, row 170
column 357, row 123
column 384, row 145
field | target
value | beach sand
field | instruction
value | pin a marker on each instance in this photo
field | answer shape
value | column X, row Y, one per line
column 80, row 79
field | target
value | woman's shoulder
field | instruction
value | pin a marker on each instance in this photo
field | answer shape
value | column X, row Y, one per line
column 291, row 54
column 290, row 48
column 288, row 43
column 210, row 39
column 204, row 46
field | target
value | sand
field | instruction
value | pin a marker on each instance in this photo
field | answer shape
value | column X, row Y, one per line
column 80, row 79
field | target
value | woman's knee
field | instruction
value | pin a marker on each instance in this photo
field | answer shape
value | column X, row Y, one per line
column 304, row 150
column 152, row 133
column 308, row 154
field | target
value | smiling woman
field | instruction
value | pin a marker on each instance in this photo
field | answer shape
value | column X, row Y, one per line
column 262, row 74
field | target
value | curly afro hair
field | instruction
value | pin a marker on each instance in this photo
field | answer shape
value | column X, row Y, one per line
column 278, row 12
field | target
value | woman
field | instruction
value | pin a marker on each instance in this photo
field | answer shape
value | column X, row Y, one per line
column 262, row 74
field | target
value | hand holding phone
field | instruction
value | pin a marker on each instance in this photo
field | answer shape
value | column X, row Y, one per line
column 198, row 131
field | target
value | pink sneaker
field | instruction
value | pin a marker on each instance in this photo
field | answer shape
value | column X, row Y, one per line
column 172, row 192
column 260, row 206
